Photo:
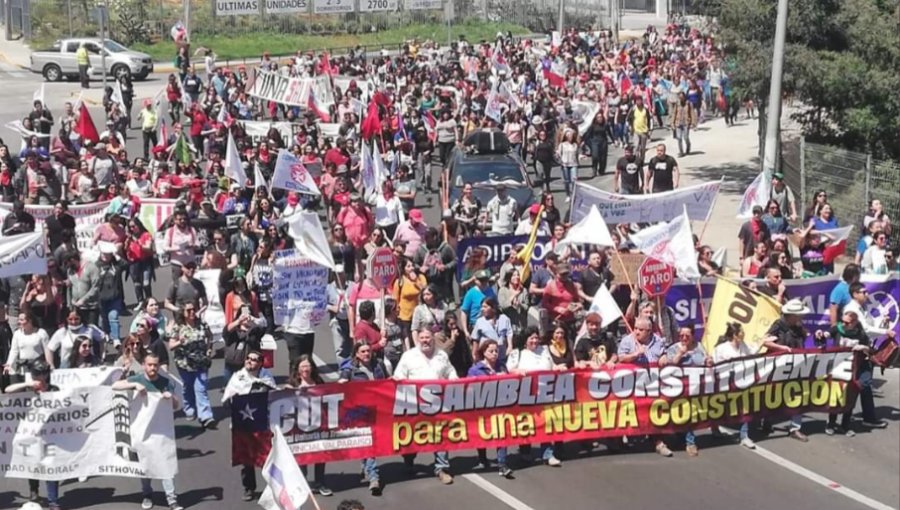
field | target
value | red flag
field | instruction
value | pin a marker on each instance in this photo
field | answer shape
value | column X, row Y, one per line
column 371, row 126
column 312, row 103
column 837, row 242
column 85, row 125
column 624, row 85
column 325, row 64
column 430, row 123
column 381, row 99
column 554, row 79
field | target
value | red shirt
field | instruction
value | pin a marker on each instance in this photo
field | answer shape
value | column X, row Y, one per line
column 337, row 157
column 369, row 333
column 198, row 120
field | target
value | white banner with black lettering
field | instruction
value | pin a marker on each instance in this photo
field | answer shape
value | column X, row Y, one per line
column 650, row 208
column 235, row 7
column 298, row 297
column 79, row 432
column 23, row 254
column 332, row 6
column 378, row 5
column 281, row 89
column 287, row 6
column 258, row 131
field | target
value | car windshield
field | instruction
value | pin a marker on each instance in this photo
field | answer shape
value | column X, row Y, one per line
column 483, row 172
column 115, row 47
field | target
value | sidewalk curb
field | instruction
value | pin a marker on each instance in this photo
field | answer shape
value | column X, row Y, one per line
column 7, row 60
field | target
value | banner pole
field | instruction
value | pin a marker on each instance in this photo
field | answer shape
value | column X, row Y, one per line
column 702, row 308
column 382, row 310
column 624, row 270
column 314, row 502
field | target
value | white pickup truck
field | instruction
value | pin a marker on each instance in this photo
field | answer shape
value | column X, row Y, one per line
column 58, row 61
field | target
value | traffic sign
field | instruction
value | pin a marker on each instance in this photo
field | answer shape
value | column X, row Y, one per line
column 655, row 278
column 382, row 268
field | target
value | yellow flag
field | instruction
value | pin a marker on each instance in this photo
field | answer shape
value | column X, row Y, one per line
column 732, row 302
column 527, row 250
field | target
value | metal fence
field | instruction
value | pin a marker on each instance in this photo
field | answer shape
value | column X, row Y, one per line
column 150, row 20
column 15, row 15
column 851, row 180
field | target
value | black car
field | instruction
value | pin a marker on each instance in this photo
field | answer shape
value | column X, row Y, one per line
column 484, row 171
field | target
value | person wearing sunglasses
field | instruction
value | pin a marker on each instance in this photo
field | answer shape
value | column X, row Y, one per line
column 191, row 347
column 252, row 378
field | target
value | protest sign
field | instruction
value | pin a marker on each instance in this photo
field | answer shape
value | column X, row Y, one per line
column 884, row 296
column 235, row 7
column 155, row 211
column 383, row 418
column 291, row 175
column 498, row 249
column 214, row 315
column 280, row 89
column 258, row 131
column 298, row 294
column 651, row 208
column 23, row 254
column 84, row 377
column 287, row 6
column 94, row 431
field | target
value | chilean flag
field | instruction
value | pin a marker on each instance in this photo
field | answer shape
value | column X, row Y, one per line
column 85, row 127
column 250, row 434
column 429, row 125
column 287, row 487
column 401, row 133
column 836, row 240
column 313, row 104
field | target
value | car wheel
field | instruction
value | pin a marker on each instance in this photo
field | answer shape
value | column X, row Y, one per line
column 52, row 72
column 120, row 70
column 141, row 77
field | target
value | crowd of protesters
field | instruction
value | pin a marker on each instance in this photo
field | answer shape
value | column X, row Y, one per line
column 429, row 101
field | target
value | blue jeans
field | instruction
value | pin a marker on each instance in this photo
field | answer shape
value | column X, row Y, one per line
column 570, row 175
column 109, row 317
column 141, row 273
column 168, row 487
column 689, row 438
column 502, row 454
column 196, row 394
column 441, row 461
column 683, row 133
column 370, row 467
column 52, row 489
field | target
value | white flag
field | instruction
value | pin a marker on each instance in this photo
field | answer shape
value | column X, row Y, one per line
column 258, row 178
column 233, row 167
column 756, row 194
column 671, row 243
column 604, row 304
column 381, row 172
column 306, row 230
column 367, row 168
column 116, row 96
column 591, row 229
column 287, row 488
column 39, row 96
column 291, row 175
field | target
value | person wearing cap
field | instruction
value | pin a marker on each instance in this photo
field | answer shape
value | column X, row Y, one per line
column 786, row 335
column 643, row 347
column 470, row 309
column 687, row 352
column 358, row 222
column 525, row 224
column 781, row 193
column 503, row 211
column 851, row 333
column 185, row 289
column 179, row 241
column 412, row 232
column 103, row 166
column 560, row 297
column 40, row 383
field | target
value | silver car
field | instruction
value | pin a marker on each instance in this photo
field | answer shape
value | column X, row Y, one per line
column 58, row 61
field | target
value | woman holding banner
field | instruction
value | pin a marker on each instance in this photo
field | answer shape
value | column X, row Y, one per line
column 28, row 345
column 305, row 374
column 730, row 346
column 40, row 383
column 527, row 356
column 488, row 365
column 362, row 366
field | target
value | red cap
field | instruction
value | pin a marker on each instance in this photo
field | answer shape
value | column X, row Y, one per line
column 534, row 209
column 416, row 215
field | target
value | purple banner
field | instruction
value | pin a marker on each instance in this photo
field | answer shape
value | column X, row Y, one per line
column 498, row 249
column 884, row 297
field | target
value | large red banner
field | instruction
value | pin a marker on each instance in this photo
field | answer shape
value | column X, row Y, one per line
column 384, row 418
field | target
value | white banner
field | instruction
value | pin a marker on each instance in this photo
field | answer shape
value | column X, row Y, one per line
column 281, row 89
column 79, row 432
column 84, row 377
column 291, row 175
column 258, row 130
column 650, row 208
column 378, row 5
column 155, row 211
column 287, row 6
column 298, row 296
column 332, row 6
column 235, row 7
column 214, row 316
column 417, row 5
column 323, row 91
column 23, row 254
column 42, row 212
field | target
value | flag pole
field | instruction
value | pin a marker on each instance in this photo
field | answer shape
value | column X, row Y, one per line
column 702, row 308
column 709, row 213
column 314, row 502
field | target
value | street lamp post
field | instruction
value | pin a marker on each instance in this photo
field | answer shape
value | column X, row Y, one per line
column 773, row 121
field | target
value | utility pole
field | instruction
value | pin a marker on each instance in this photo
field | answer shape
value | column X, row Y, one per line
column 773, row 124
column 187, row 21
column 560, row 24
column 104, row 26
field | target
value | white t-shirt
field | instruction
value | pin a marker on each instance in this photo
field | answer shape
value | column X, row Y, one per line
column 142, row 188
column 26, row 347
column 64, row 340
column 530, row 361
column 388, row 212
column 415, row 366
column 726, row 351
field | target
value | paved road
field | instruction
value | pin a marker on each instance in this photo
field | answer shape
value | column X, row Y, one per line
column 827, row 473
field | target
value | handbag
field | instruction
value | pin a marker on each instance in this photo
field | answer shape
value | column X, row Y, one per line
column 886, row 354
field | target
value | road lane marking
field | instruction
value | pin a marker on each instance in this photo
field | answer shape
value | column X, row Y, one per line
column 819, row 479
column 507, row 498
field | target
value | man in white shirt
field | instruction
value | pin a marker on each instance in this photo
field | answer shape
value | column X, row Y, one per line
column 503, row 211
column 525, row 224
column 424, row 363
column 857, row 304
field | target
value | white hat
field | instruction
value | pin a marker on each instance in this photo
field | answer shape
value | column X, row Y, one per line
column 795, row 307
column 106, row 247
column 31, row 505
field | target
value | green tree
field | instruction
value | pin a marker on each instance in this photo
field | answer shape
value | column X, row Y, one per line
column 841, row 62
